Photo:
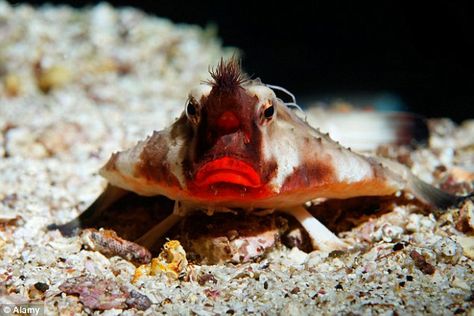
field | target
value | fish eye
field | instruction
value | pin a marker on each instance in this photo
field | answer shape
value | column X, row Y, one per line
column 267, row 112
column 191, row 109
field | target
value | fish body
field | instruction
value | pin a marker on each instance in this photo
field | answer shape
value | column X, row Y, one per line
column 237, row 146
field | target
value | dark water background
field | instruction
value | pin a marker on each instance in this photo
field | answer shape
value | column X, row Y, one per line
column 416, row 55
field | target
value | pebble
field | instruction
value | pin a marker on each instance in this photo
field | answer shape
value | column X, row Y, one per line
column 447, row 250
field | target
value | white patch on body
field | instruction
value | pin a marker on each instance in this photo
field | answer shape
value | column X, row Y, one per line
column 351, row 168
column 284, row 143
column 348, row 166
column 287, row 163
column 126, row 160
column 175, row 161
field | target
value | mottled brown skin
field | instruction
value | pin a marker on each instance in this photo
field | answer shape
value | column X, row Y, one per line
column 169, row 161
column 237, row 145
column 152, row 163
column 210, row 141
column 314, row 174
column 213, row 140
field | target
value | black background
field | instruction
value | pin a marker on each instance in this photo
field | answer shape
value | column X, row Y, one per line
column 422, row 53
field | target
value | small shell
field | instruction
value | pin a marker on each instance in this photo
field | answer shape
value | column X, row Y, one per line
column 447, row 250
column 391, row 233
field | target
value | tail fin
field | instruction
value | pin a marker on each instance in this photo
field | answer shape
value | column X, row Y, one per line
column 431, row 195
column 365, row 130
column 107, row 198
column 423, row 191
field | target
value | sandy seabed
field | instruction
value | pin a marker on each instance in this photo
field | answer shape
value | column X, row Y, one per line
column 80, row 84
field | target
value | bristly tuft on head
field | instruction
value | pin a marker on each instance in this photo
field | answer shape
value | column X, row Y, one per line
column 228, row 75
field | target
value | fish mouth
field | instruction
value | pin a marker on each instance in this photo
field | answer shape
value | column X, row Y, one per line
column 227, row 170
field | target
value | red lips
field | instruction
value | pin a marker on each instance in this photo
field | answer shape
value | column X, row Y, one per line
column 227, row 170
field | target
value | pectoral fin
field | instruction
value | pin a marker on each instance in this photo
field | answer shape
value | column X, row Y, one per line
column 93, row 212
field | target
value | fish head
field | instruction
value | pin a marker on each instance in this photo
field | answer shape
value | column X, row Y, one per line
column 235, row 145
column 229, row 117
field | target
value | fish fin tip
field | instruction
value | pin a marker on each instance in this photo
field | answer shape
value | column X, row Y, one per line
column 432, row 195
column 94, row 211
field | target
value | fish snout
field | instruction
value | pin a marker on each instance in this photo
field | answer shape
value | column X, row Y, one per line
column 228, row 123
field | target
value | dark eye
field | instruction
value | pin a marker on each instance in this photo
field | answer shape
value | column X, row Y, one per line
column 191, row 109
column 268, row 113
